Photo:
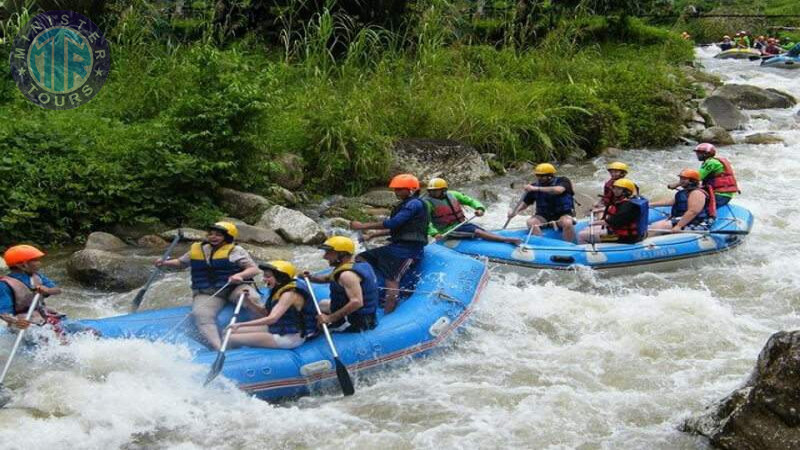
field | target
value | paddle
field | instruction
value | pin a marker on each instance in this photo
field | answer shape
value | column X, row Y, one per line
column 516, row 206
column 530, row 231
column 5, row 397
column 220, row 361
column 412, row 291
column 173, row 329
column 137, row 301
column 444, row 235
column 731, row 232
column 341, row 371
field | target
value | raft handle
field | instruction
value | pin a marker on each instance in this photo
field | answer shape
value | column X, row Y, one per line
column 562, row 259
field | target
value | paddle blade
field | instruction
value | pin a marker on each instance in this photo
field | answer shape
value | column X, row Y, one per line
column 137, row 301
column 5, row 396
column 735, row 232
column 344, row 378
column 216, row 368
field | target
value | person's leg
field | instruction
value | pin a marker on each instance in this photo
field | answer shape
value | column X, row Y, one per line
column 567, row 228
column 483, row 234
column 534, row 223
column 393, row 284
column 252, row 337
column 661, row 225
column 591, row 234
column 204, row 311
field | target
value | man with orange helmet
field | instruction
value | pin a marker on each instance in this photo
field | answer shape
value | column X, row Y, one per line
column 407, row 228
column 23, row 282
column 692, row 207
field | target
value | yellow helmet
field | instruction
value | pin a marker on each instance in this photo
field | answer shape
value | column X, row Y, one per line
column 284, row 267
column 625, row 184
column 437, row 183
column 227, row 228
column 339, row 244
column 544, row 169
column 616, row 165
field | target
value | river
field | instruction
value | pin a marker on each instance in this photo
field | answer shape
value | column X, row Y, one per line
column 562, row 361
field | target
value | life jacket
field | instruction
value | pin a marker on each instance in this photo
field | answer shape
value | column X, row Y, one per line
column 726, row 46
column 608, row 195
column 636, row 230
column 369, row 291
column 304, row 320
column 22, row 294
column 681, row 205
column 445, row 211
column 213, row 273
column 415, row 230
column 724, row 182
column 555, row 205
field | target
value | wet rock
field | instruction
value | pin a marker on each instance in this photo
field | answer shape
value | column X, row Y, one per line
column 264, row 254
column 575, row 156
column 723, row 113
column 746, row 96
column 110, row 271
column 611, row 152
column 291, row 174
column 763, row 414
column 281, row 196
column 348, row 208
column 104, row 241
column 255, row 234
column 135, row 231
column 378, row 212
column 339, row 222
column 695, row 130
column 428, row 158
column 246, row 205
column 187, row 234
column 488, row 195
column 763, row 138
column 380, row 198
column 292, row 225
column 717, row 136
column 151, row 241
column 698, row 118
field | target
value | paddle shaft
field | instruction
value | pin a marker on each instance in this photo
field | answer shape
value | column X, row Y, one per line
column 324, row 326
column 733, row 232
column 137, row 301
column 235, row 318
column 444, row 235
column 20, row 335
column 514, row 211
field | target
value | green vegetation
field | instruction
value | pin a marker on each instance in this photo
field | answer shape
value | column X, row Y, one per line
column 706, row 30
column 189, row 108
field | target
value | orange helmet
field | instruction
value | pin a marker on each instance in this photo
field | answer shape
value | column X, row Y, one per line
column 404, row 181
column 20, row 254
column 690, row 174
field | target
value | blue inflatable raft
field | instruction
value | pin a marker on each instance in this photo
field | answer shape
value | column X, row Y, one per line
column 782, row 61
column 447, row 286
column 663, row 250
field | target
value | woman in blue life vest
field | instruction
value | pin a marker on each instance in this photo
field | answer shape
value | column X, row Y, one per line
column 407, row 228
column 354, row 289
column 554, row 199
column 215, row 263
column 692, row 207
column 624, row 220
column 291, row 317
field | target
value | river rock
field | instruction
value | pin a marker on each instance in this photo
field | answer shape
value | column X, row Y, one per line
column 246, row 205
column 339, row 222
column 764, row 413
column 717, row 136
column 379, row 198
column 611, row 152
column 187, row 234
column 348, row 208
column 282, row 196
column 106, row 270
column 746, row 96
column 723, row 112
column 291, row 174
column 428, row 158
column 292, row 225
column 104, row 241
column 264, row 254
column 763, row 138
column 151, row 241
column 255, row 234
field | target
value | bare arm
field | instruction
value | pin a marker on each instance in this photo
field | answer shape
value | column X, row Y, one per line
column 697, row 200
column 287, row 300
column 352, row 286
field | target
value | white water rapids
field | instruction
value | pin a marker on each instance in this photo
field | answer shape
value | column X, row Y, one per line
column 563, row 361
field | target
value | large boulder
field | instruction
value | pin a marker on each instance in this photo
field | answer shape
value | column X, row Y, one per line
column 763, row 414
column 763, row 138
column 746, row 96
column 292, row 225
column 255, row 234
column 110, row 271
column 291, row 174
column 152, row 241
column 716, row 136
column 379, row 198
column 104, row 241
column 723, row 112
column 246, row 205
column 427, row 158
column 264, row 254
column 187, row 234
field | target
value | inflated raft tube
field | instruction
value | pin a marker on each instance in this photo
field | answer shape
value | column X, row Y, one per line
column 738, row 53
column 782, row 62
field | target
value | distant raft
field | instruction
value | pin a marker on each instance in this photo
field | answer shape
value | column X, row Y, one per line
column 447, row 286
column 739, row 53
column 782, row 62
column 658, row 251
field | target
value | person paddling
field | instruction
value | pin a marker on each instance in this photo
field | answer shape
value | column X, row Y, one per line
column 554, row 199
column 692, row 207
column 407, row 228
column 353, row 286
column 624, row 220
column 446, row 214
column 18, row 288
column 219, row 268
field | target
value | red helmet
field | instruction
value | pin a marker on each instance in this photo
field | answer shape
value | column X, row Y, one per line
column 20, row 254
column 706, row 148
column 690, row 174
column 404, row 181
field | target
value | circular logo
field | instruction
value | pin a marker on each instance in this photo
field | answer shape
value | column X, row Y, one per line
column 60, row 60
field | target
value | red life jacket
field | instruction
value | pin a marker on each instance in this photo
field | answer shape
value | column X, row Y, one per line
column 630, row 230
column 608, row 195
column 724, row 182
column 445, row 211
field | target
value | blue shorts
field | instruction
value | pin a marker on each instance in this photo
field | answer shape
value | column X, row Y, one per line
column 466, row 231
column 385, row 261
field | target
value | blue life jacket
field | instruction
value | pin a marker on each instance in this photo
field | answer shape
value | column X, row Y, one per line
column 213, row 273
column 681, row 205
column 369, row 289
column 644, row 215
column 555, row 205
column 304, row 320
column 415, row 230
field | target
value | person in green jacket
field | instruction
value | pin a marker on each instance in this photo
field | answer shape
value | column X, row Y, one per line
column 446, row 213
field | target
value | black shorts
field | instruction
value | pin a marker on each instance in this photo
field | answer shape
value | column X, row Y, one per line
column 355, row 324
column 390, row 267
